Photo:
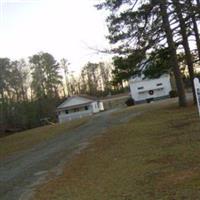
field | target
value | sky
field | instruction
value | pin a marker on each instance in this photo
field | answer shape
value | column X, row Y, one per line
column 64, row 28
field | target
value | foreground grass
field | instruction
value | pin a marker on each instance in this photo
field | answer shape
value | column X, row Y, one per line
column 154, row 156
column 27, row 139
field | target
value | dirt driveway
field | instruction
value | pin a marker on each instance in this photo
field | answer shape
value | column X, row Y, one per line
column 20, row 173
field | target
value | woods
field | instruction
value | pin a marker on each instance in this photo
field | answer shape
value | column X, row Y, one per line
column 30, row 91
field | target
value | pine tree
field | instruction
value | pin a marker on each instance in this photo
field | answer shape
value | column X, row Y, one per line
column 185, row 43
column 143, row 25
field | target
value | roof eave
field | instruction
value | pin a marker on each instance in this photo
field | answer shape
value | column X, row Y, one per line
column 74, row 106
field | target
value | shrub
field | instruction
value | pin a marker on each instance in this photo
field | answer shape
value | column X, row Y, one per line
column 130, row 102
column 173, row 93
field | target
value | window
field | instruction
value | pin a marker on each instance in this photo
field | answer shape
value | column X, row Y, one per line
column 76, row 109
column 159, row 84
column 140, row 88
column 66, row 112
column 86, row 107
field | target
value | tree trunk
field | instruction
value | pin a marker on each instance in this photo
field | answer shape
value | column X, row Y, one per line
column 67, row 82
column 172, row 48
column 2, row 112
column 195, row 27
column 188, row 56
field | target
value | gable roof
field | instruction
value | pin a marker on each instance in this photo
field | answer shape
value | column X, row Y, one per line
column 75, row 101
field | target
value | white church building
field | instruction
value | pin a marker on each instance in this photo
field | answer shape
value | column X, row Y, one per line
column 77, row 107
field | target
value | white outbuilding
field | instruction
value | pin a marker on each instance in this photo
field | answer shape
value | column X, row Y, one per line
column 77, row 107
column 143, row 89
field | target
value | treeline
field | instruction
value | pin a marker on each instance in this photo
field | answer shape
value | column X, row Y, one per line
column 30, row 91
column 156, row 36
column 95, row 79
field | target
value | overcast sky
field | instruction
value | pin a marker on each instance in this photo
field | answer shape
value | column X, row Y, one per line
column 64, row 28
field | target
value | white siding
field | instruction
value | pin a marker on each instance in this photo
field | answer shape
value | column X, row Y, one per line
column 101, row 107
column 62, row 117
column 95, row 107
column 140, row 89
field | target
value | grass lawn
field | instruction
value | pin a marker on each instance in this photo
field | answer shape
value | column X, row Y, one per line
column 155, row 156
column 27, row 139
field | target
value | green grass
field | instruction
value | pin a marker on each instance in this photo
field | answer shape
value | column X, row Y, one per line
column 27, row 139
column 152, row 157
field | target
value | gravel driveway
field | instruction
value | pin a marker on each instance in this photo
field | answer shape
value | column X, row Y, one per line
column 20, row 173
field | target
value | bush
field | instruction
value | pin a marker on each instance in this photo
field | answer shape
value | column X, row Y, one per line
column 130, row 102
column 173, row 93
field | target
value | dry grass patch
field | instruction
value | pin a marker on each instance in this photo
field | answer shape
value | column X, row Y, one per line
column 181, row 176
column 133, row 161
column 27, row 139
